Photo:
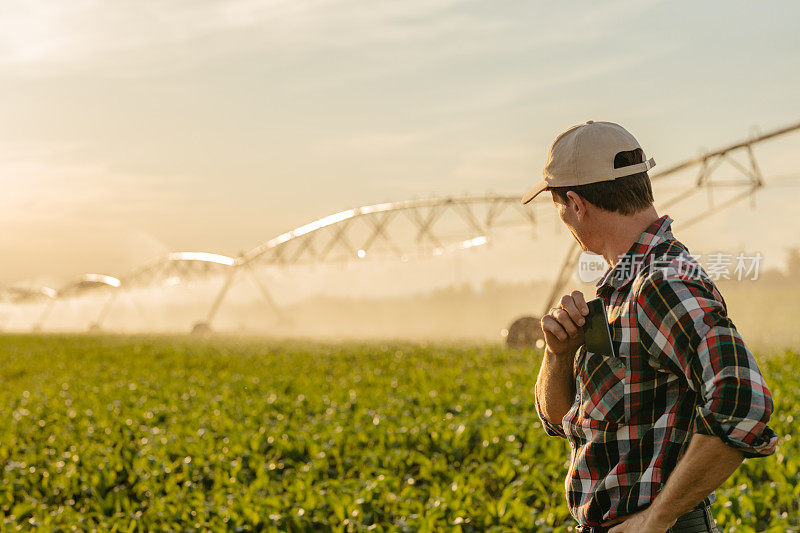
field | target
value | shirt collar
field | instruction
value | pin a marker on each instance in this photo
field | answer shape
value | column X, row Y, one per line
column 630, row 263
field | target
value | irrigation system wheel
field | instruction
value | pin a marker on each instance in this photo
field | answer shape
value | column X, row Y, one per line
column 525, row 332
column 201, row 328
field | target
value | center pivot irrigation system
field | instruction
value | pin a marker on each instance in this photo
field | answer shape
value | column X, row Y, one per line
column 397, row 231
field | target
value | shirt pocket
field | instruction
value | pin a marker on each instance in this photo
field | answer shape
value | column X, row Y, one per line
column 602, row 388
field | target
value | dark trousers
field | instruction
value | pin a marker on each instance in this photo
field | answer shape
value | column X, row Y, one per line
column 698, row 520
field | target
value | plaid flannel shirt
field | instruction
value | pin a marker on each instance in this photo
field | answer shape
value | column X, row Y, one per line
column 679, row 368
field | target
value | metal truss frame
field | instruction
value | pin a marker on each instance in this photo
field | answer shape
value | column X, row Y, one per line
column 423, row 215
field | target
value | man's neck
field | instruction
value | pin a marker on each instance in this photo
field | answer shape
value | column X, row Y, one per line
column 622, row 231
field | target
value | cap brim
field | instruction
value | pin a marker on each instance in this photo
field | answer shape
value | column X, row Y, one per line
column 531, row 194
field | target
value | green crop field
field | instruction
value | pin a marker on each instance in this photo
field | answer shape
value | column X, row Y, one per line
column 142, row 434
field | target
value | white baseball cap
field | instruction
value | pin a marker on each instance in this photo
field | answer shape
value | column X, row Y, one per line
column 585, row 154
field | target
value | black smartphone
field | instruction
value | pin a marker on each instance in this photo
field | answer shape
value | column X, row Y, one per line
column 596, row 331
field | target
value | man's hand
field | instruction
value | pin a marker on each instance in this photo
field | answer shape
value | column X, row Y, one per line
column 643, row 521
column 707, row 463
column 555, row 386
column 563, row 325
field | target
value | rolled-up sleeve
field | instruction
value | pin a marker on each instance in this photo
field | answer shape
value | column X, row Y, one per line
column 554, row 430
column 684, row 326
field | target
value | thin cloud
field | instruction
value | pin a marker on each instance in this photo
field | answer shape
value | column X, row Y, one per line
column 42, row 183
column 45, row 37
column 42, row 37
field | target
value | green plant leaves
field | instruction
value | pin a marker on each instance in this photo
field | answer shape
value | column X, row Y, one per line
column 141, row 434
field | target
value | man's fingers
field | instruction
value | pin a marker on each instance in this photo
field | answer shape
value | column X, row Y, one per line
column 566, row 322
column 551, row 325
column 569, row 305
column 580, row 302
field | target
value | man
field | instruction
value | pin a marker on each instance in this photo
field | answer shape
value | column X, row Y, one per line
column 657, row 425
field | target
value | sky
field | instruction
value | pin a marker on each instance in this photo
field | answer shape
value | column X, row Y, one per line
column 132, row 129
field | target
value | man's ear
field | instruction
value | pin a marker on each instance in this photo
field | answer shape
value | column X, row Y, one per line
column 576, row 204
